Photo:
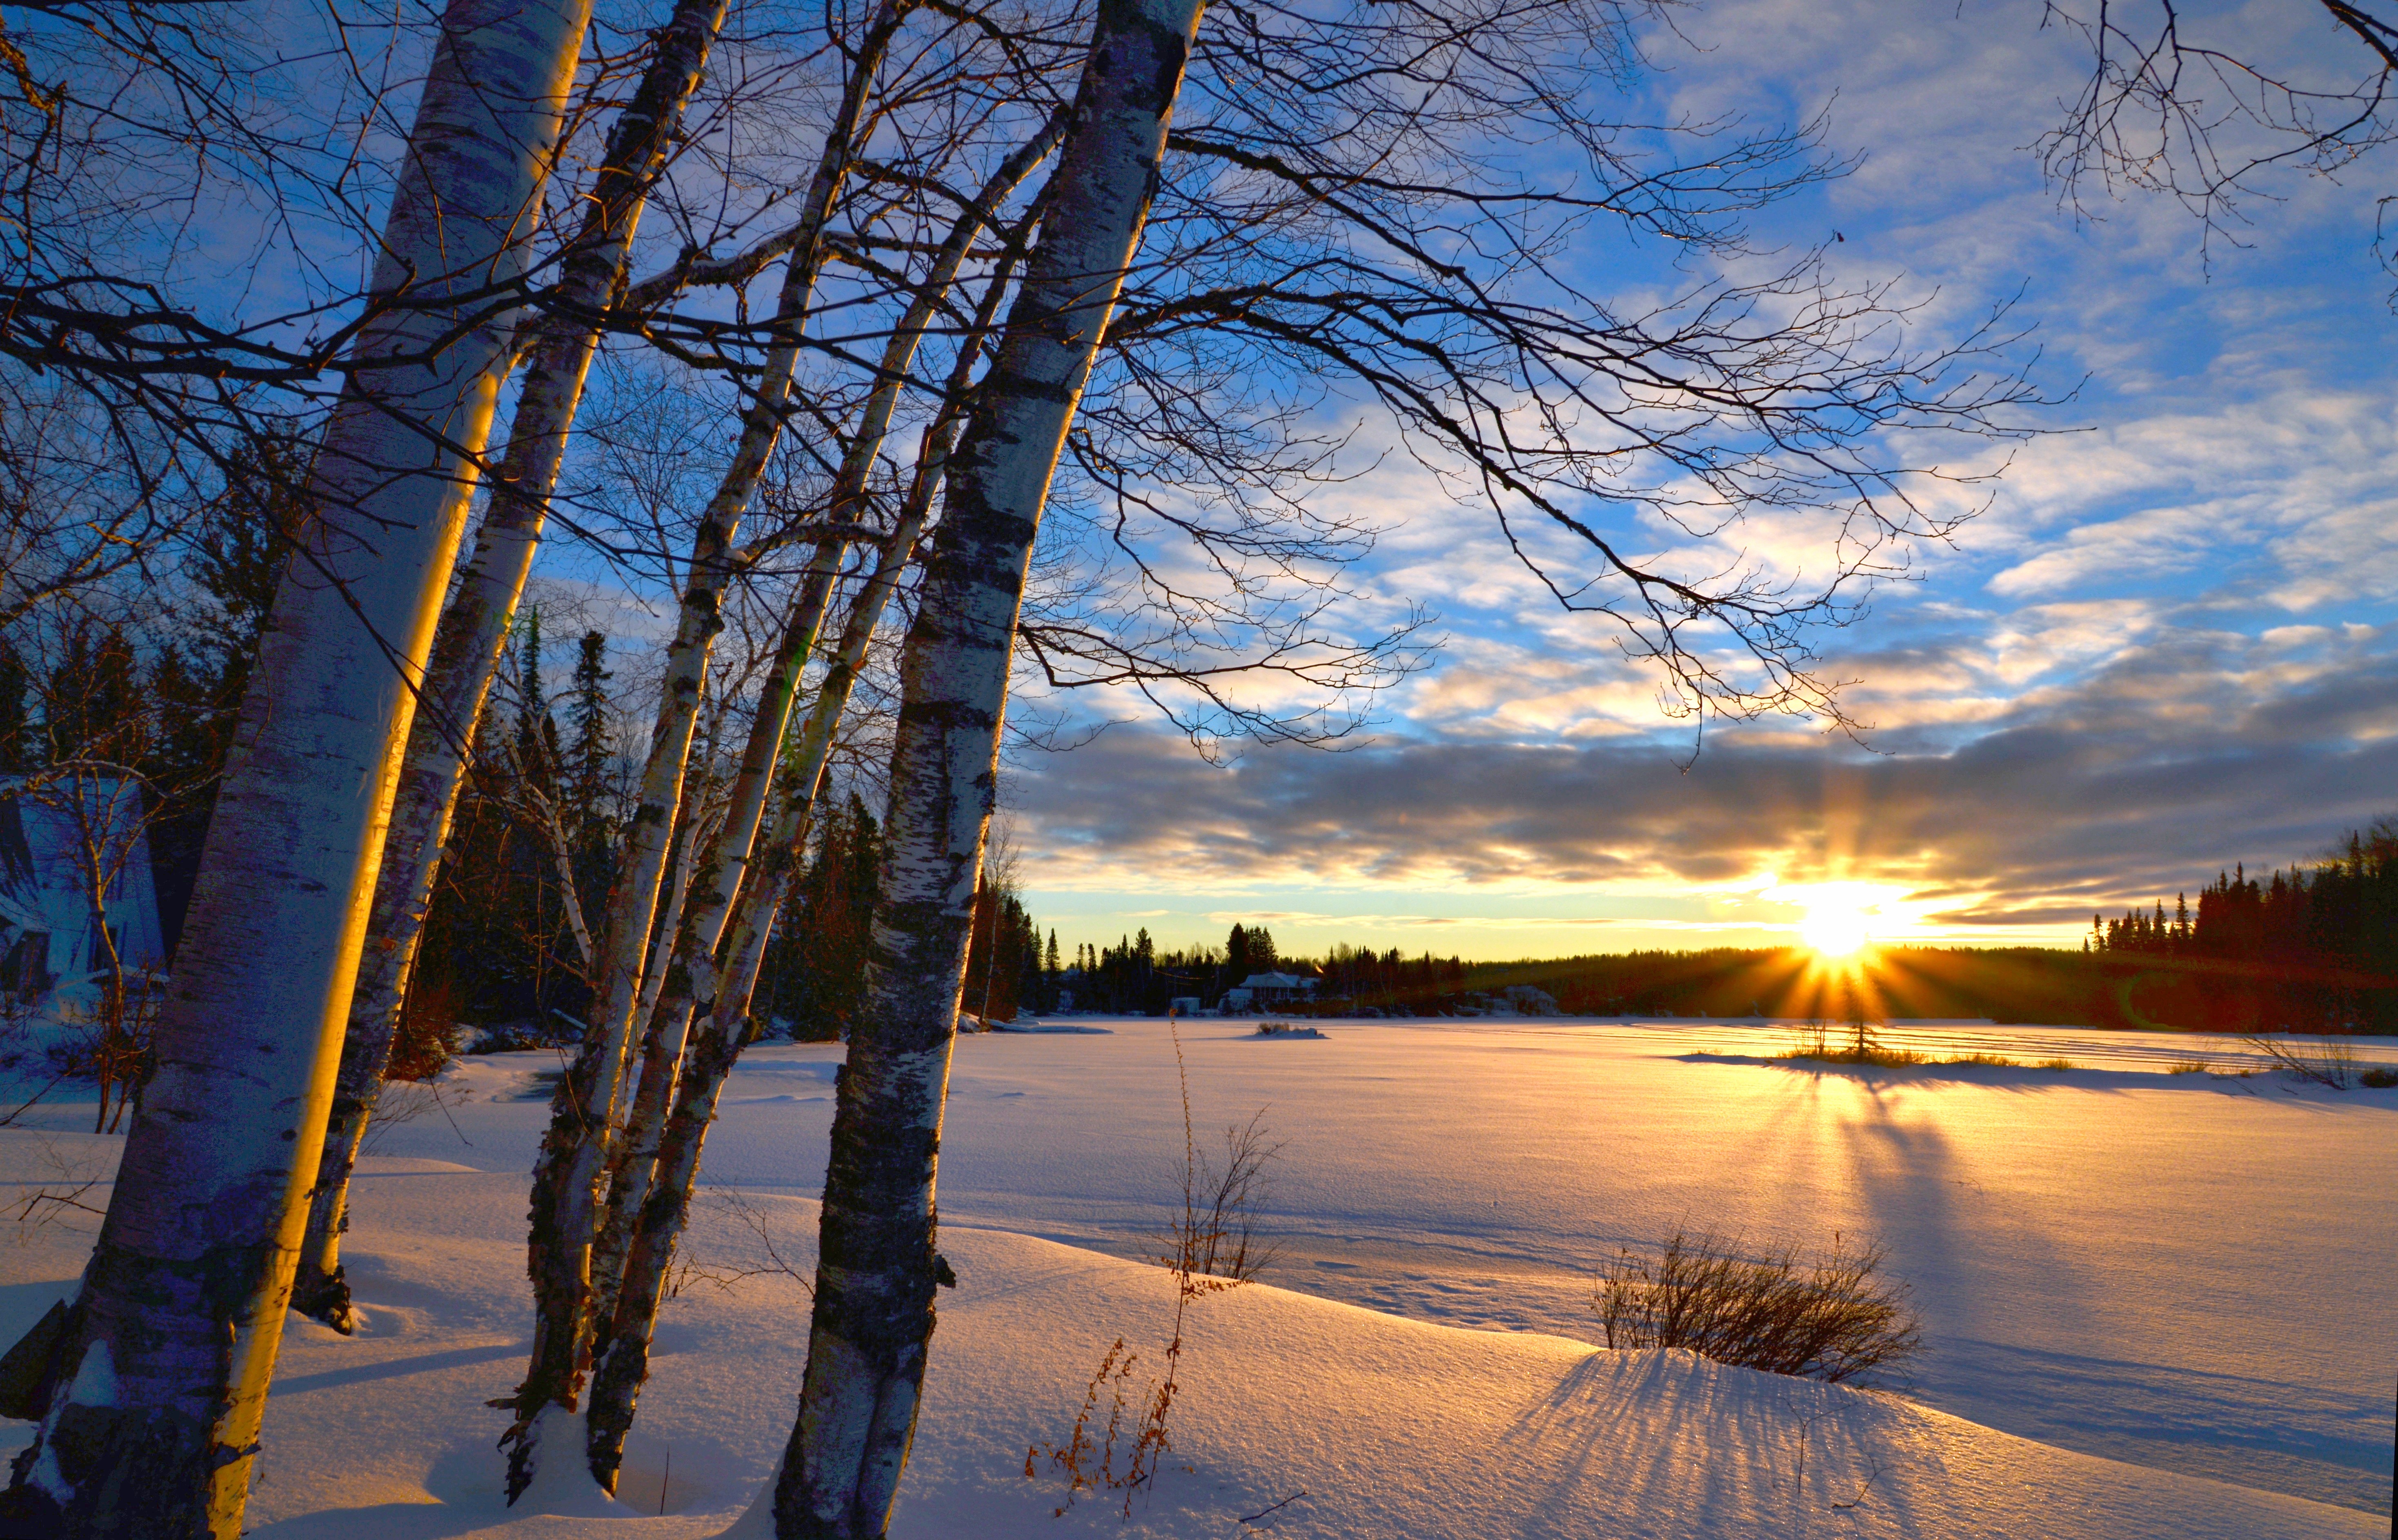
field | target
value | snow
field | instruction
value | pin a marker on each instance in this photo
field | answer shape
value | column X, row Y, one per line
column 2154, row 1304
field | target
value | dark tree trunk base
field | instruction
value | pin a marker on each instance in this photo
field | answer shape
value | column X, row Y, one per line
column 324, row 1297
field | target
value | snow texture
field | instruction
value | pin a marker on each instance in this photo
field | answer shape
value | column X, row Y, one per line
column 2180, row 1271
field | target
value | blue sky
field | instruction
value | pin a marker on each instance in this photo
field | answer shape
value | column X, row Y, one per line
column 2166, row 645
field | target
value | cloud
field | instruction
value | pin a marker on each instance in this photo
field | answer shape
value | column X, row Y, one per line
column 2190, row 753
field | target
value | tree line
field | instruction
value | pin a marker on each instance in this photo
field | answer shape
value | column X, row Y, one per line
column 2310, row 947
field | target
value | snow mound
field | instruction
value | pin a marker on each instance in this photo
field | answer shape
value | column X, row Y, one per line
column 1390, row 1428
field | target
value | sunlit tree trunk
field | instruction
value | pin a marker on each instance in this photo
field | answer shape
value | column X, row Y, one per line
column 574, row 1151
column 475, row 627
column 877, row 1269
column 164, row 1367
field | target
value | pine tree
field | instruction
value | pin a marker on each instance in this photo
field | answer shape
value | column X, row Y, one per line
column 592, row 720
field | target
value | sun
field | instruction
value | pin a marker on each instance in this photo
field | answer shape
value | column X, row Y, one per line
column 1834, row 929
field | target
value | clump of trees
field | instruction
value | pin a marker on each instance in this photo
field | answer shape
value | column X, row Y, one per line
column 2308, row 948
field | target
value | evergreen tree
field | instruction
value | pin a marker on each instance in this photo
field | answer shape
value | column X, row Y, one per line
column 813, row 976
column 592, row 720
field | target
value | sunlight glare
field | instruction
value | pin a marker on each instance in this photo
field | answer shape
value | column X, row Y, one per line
column 1835, row 931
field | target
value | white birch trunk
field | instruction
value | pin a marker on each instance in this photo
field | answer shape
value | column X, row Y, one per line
column 659, row 1210
column 665, row 1003
column 165, row 1365
column 574, row 1152
column 474, row 629
column 877, row 1270
column 694, row 976
column 724, row 981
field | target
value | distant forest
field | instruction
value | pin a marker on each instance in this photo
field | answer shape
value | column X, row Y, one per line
column 2313, row 948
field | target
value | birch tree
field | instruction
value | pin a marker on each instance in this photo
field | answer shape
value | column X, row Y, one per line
column 650, row 1204
column 160, row 1368
column 574, row 1151
column 1330, row 214
column 872, row 1321
column 476, row 624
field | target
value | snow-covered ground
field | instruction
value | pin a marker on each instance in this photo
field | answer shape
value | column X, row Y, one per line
column 2154, row 1304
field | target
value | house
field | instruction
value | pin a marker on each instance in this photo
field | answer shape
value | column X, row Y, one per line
column 63, row 840
column 1269, row 992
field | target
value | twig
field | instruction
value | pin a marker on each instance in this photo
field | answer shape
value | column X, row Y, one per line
column 1271, row 1508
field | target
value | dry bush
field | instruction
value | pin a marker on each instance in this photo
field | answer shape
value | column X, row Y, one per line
column 1214, row 1237
column 1211, row 1246
column 2327, row 1063
column 2059, row 1064
column 2381, row 1077
column 1834, row 1320
column 1865, row 1051
column 1990, row 1060
column 2187, row 1067
column 427, row 1037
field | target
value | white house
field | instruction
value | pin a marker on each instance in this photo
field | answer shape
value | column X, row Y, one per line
column 62, row 840
column 1266, row 991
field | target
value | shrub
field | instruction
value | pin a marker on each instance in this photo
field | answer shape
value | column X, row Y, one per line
column 2326, row 1064
column 428, row 1033
column 2058, row 1064
column 1835, row 1320
column 1862, row 1048
column 2381, row 1077
column 2187, row 1067
column 1211, row 1246
column 1992, row 1060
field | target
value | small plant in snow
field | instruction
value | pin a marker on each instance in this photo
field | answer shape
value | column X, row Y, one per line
column 1211, row 1246
column 2381, row 1077
column 2328, row 1062
column 1835, row 1320
column 1862, row 1048
column 2187, row 1067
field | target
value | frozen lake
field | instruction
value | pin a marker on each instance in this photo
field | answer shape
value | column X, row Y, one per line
column 2188, row 1271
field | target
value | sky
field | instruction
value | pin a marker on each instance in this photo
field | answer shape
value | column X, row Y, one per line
column 2166, row 646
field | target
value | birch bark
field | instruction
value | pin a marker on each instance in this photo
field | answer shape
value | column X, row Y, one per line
column 668, row 1011
column 660, row 1210
column 163, row 1367
column 877, row 1271
column 574, row 1151
column 694, row 976
column 474, row 629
